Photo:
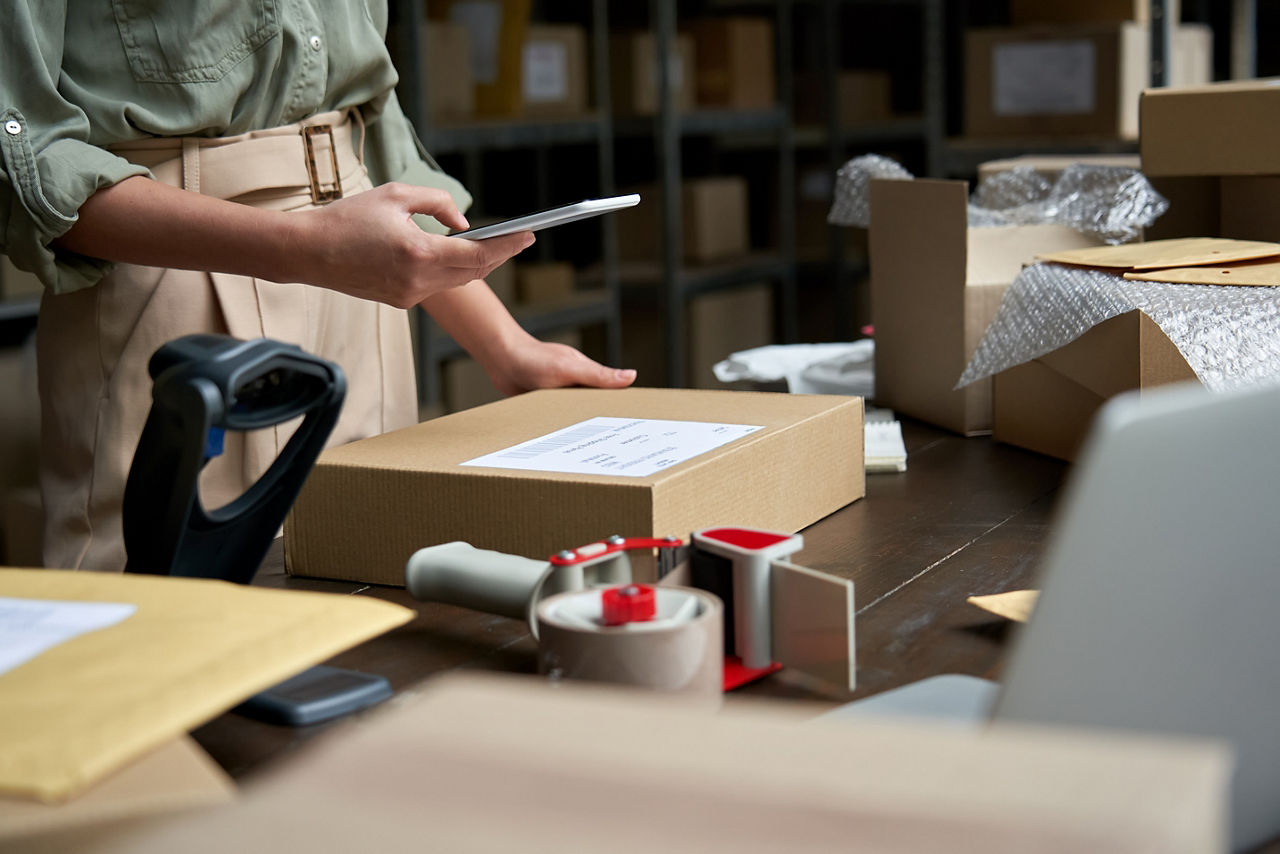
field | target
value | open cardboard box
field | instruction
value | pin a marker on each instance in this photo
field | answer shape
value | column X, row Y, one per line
column 935, row 286
column 368, row 506
column 1047, row 404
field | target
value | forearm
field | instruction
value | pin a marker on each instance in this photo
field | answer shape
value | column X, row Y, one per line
column 141, row 221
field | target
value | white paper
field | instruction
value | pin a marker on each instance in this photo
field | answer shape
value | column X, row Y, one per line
column 627, row 447
column 1043, row 78
column 546, row 72
column 28, row 627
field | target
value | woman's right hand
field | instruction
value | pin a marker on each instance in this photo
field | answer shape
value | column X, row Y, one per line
column 368, row 246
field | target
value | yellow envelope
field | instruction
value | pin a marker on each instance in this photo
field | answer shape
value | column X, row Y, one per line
column 1014, row 605
column 1161, row 254
column 193, row 649
column 1241, row 274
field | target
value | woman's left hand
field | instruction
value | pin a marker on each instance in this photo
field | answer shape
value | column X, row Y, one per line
column 532, row 364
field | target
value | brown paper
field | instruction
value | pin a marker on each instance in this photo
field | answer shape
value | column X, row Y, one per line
column 1161, row 254
column 1245, row 273
column 1014, row 605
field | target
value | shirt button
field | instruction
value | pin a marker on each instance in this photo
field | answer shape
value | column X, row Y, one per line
column 315, row 42
column 12, row 127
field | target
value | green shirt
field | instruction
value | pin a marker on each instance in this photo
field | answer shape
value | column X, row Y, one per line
column 78, row 75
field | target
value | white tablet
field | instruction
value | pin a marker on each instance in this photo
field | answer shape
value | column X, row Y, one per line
column 554, row 216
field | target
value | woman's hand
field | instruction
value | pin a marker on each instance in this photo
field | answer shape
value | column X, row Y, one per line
column 368, row 246
column 532, row 364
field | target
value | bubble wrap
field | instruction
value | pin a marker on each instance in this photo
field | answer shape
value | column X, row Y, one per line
column 852, row 205
column 1111, row 202
column 1229, row 336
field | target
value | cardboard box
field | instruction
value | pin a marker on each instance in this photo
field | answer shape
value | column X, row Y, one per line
column 544, row 281
column 1047, row 404
column 554, row 75
column 496, row 31
column 715, row 218
column 1063, row 80
column 716, row 324
column 634, row 74
column 368, row 506
column 735, row 63
column 1026, row 12
column 1213, row 130
column 17, row 284
column 502, row 281
column 451, row 91
column 1235, row 206
column 935, row 286
column 860, row 97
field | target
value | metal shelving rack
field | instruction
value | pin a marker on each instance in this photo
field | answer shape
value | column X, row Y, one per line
column 474, row 138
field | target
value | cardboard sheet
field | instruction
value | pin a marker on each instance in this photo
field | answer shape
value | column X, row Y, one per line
column 1242, row 274
column 1161, row 254
column 193, row 649
column 754, row 778
column 1015, row 605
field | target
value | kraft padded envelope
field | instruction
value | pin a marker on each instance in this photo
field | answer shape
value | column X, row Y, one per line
column 193, row 649
column 1162, row 254
column 1245, row 273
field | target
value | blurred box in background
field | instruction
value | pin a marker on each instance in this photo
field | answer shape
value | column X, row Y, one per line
column 634, row 73
column 554, row 75
column 544, row 281
column 496, row 32
column 735, row 62
column 1079, row 79
column 1024, row 12
column 714, row 212
column 861, row 97
column 451, row 91
column 716, row 324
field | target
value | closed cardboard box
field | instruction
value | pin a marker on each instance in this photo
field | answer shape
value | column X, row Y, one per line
column 367, row 506
column 634, row 73
column 544, row 281
column 714, row 216
column 735, row 63
column 496, row 34
column 451, row 93
column 1213, row 130
column 1081, row 80
column 935, row 286
column 554, row 74
column 1047, row 404
column 716, row 324
column 1024, row 12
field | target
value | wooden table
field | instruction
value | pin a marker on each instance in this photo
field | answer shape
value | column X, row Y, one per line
column 969, row 517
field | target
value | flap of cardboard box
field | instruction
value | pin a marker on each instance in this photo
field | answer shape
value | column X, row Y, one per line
column 1264, row 273
column 1161, row 254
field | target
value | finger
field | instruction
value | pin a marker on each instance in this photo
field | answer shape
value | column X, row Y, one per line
column 483, row 256
column 434, row 203
column 588, row 372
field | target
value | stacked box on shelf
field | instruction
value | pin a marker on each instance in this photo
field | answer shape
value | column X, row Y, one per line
column 554, row 71
column 714, row 214
column 735, row 62
column 1070, row 79
column 496, row 31
column 633, row 73
column 449, row 84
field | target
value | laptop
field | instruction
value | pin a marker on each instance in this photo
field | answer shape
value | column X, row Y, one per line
column 1160, row 609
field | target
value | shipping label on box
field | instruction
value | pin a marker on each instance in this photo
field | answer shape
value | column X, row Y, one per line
column 555, row 70
column 935, row 286
column 789, row 461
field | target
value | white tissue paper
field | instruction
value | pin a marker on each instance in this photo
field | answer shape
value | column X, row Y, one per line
column 844, row 368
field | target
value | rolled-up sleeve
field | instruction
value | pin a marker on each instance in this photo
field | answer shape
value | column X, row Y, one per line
column 393, row 153
column 47, row 166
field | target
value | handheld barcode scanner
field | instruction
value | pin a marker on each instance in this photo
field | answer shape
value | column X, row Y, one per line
column 204, row 386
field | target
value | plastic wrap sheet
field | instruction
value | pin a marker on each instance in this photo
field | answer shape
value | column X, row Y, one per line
column 1229, row 336
column 1111, row 202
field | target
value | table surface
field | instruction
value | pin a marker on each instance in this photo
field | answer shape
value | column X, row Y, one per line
column 968, row 517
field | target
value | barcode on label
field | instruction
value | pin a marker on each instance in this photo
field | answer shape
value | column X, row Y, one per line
column 554, row 443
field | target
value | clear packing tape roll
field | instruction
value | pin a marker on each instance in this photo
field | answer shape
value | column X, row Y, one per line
column 1111, row 202
column 1230, row 336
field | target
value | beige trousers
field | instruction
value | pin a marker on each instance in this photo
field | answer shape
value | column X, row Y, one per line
column 93, row 345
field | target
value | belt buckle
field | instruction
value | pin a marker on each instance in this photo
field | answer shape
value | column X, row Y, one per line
column 318, row 195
